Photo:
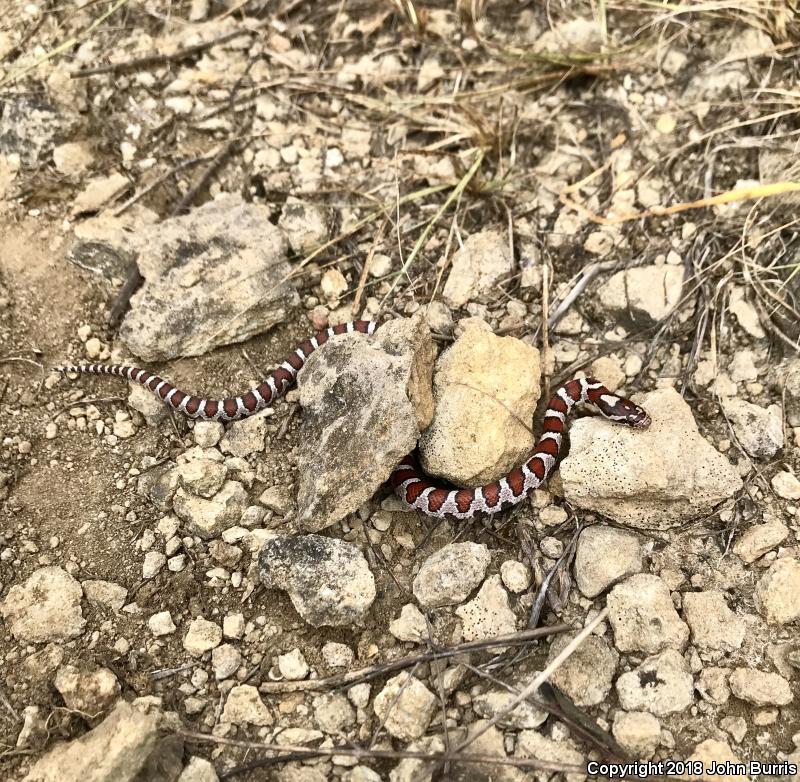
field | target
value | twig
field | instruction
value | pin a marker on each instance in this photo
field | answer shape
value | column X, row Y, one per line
column 374, row 671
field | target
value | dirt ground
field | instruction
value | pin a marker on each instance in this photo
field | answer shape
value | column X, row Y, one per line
column 593, row 137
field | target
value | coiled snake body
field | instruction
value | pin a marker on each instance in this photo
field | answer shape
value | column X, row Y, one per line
column 413, row 486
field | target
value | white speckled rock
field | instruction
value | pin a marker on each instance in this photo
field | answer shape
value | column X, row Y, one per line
column 759, row 539
column 406, row 706
column 489, row 613
column 202, row 636
column 760, row 687
column 712, row 623
column 643, row 616
column 650, row 479
column 449, row 576
column 661, row 685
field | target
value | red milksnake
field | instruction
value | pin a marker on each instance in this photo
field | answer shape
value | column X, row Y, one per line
column 413, row 487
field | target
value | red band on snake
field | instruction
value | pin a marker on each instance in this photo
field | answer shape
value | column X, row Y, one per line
column 414, row 487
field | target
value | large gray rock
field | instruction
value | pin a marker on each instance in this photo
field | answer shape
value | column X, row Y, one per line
column 649, row 479
column 365, row 400
column 327, row 580
column 212, row 277
column 115, row 750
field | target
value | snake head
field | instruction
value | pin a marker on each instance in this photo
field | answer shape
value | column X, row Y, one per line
column 623, row 411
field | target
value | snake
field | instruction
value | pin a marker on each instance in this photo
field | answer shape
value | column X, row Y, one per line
column 413, row 486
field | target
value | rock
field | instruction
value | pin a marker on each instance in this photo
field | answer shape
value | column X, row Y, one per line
column 713, row 624
column 575, row 35
column 789, row 379
column 161, row 624
column 207, row 433
column 337, row 655
column 225, row 660
column 410, row 626
column 786, row 485
column 516, row 576
column 293, row 665
column 90, row 692
column 710, row 752
column 198, row 770
column 608, row 371
column 244, row 705
column 760, row 687
column 449, row 576
column 777, row 594
column 759, row 430
column 358, row 422
column 643, row 616
column 72, row 158
column 99, row 191
column 333, row 284
column 745, row 313
column 532, row 744
column 743, row 368
column 405, row 706
column 153, row 562
column 523, row 715
column 304, row 225
column 115, row 750
column 30, row 127
column 485, row 389
column 759, row 539
column 488, row 614
column 736, row 726
column 212, row 277
column 105, row 593
column 202, row 636
column 233, row 626
column 210, row 517
column 477, row 267
column 491, row 744
column 639, row 478
column 713, row 685
column 327, row 580
column 417, row 769
column 247, row 436
column 333, row 713
column 202, row 477
column 660, row 685
column 638, row 732
column 605, row 556
column 276, row 499
column 587, row 675
column 643, row 294
column 46, row 608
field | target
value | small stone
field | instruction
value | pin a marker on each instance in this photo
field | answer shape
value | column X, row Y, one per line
column 202, row 636
column 198, row 769
column 100, row 191
column 758, row 429
column 91, row 691
column 333, row 284
column 786, row 485
column 105, row 593
column 605, row 556
column 608, row 371
column 516, row 576
column 202, row 477
column 153, row 562
column 161, row 624
column 233, row 626
column 643, row 616
column 736, row 726
column 712, row 623
column 410, row 626
column 711, row 752
column 225, row 661
column 660, row 685
column 450, row 575
column 333, row 713
column 637, row 732
column 588, row 674
column 405, row 706
column 72, row 158
column 207, row 433
column 247, row 436
column 760, row 687
column 293, row 665
column 337, row 655
column 777, row 594
column 244, row 705
column 46, row 608
column 488, row 614
column 495, row 703
column 759, row 539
